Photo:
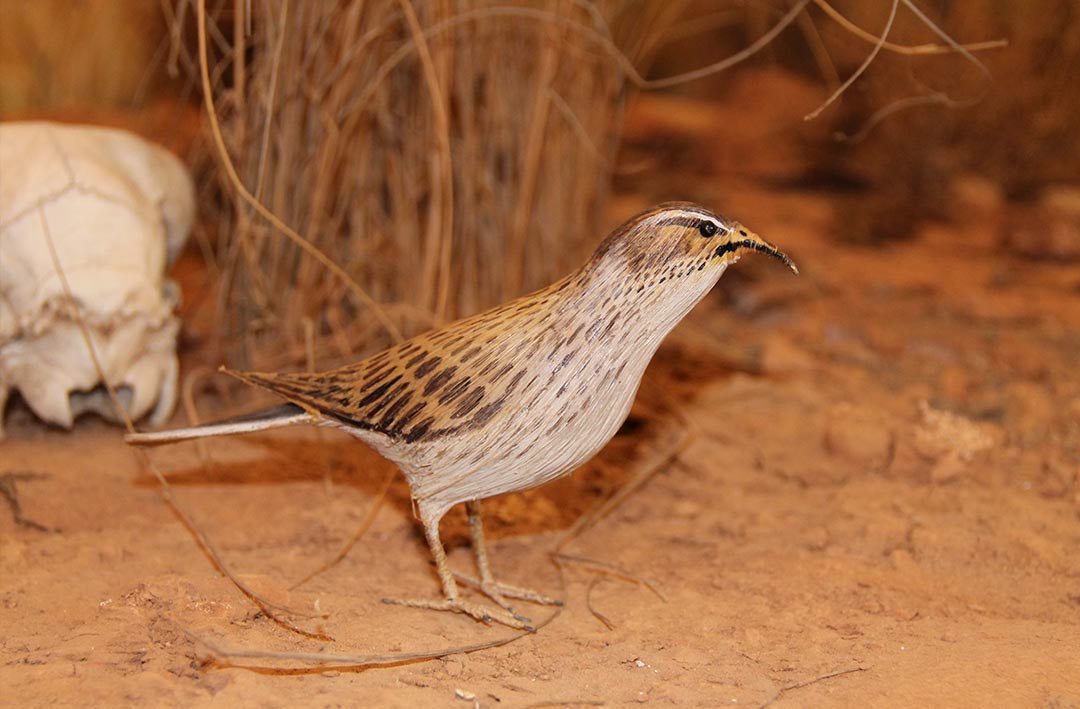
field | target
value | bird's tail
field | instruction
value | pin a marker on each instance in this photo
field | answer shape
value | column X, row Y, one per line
column 276, row 417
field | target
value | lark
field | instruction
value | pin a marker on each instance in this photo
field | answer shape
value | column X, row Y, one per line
column 516, row 396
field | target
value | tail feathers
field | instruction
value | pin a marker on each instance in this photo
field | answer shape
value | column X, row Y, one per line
column 276, row 417
column 295, row 388
column 305, row 390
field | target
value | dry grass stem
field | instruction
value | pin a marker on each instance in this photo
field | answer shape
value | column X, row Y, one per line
column 862, row 67
column 947, row 48
column 315, row 662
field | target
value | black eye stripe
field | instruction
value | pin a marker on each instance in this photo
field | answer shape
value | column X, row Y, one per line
column 733, row 246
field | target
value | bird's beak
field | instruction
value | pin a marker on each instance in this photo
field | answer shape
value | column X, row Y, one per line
column 742, row 238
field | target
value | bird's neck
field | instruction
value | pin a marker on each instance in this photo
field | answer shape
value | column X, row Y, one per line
column 607, row 300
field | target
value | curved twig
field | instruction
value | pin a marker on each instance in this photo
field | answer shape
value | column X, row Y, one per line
column 947, row 48
column 862, row 67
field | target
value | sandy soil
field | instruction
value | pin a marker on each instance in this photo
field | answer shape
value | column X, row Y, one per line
column 879, row 505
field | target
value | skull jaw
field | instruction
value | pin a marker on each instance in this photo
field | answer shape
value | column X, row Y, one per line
column 59, row 381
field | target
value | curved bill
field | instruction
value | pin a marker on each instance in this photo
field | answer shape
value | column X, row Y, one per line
column 750, row 240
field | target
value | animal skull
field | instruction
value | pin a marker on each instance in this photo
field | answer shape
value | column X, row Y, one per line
column 89, row 219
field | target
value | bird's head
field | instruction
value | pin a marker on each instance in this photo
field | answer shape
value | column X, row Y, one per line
column 680, row 241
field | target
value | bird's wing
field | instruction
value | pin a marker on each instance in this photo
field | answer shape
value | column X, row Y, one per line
column 450, row 380
column 343, row 394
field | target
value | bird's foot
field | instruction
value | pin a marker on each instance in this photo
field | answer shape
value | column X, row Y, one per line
column 481, row 613
column 499, row 592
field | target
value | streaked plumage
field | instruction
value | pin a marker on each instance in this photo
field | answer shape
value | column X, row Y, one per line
column 521, row 394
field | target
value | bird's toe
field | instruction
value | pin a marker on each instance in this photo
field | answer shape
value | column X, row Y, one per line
column 481, row 613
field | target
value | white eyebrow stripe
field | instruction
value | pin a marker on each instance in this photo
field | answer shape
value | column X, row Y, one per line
column 690, row 218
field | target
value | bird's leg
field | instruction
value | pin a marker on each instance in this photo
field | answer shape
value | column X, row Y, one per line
column 451, row 601
column 487, row 584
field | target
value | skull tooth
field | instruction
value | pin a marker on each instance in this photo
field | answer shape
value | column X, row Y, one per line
column 46, row 395
column 145, row 379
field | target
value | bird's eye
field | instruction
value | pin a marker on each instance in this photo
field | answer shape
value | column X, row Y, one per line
column 708, row 228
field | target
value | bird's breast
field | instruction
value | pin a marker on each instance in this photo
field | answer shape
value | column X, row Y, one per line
column 573, row 390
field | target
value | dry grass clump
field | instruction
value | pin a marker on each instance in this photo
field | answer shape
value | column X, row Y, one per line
column 440, row 157
column 446, row 155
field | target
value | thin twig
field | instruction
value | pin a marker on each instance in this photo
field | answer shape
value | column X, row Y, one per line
column 9, row 491
column 592, row 609
column 226, row 657
column 862, row 67
column 579, row 130
column 275, row 66
column 918, row 49
column 608, row 46
column 806, row 683
column 959, row 49
column 929, row 99
column 884, row 112
column 818, row 50
column 446, row 170
column 191, row 412
column 724, row 64
column 362, row 528
column 607, row 569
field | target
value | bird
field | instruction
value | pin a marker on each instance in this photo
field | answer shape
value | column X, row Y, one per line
column 516, row 396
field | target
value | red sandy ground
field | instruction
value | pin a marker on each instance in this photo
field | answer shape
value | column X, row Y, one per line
column 822, row 541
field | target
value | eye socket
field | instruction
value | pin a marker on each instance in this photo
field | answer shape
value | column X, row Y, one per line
column 708, row 228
